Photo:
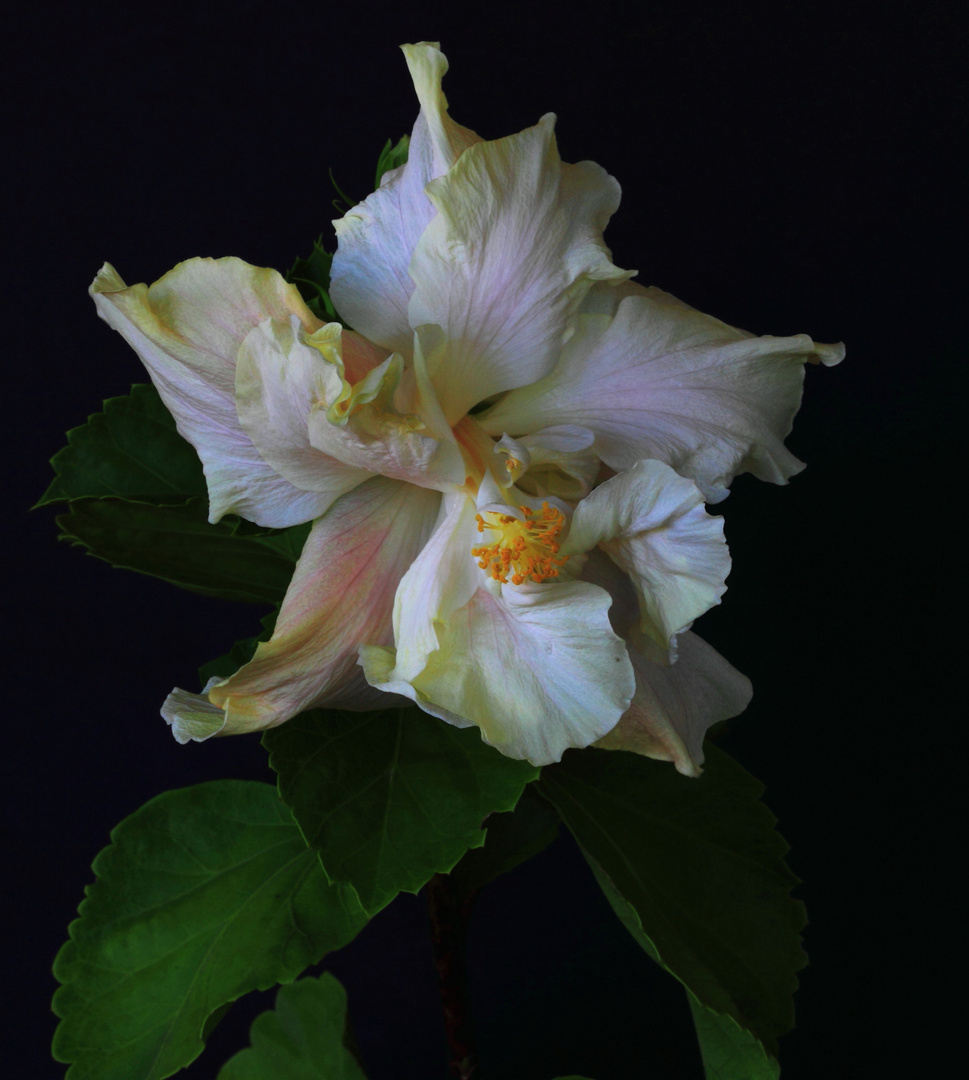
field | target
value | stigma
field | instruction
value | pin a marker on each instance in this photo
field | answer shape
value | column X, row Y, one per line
column 523, row 549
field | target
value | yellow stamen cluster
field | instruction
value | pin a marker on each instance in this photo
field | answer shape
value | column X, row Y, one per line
column 525, row 549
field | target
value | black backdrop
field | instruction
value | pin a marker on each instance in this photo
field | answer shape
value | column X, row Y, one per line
column 785, row 169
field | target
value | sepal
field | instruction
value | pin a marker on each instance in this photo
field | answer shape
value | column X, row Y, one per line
column 393, row 156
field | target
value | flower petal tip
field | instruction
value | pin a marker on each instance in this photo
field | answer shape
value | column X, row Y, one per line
column 828, row 355
column 106, row 280
column 192, row 717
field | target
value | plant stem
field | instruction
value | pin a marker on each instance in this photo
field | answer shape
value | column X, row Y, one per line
column 450, row 911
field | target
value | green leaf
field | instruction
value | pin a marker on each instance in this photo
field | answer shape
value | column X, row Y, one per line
column 513, row 838
column 392, row 157
column 178, row 544
column 390, row 798
column 130, row 450
column 695, row 869
column 205, row 893
column 729, row 1052
column 301, row 1039
column 312, row 277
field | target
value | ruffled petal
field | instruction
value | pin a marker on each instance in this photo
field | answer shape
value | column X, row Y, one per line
column 187, row 329
column 279, row 382
column 652, row 524
column 445, row 141
column 660, row 380
column 537, row 668
column 364, row 427
column 515, row 246
column 369, row 283
column 341, row 595
column 675, row 705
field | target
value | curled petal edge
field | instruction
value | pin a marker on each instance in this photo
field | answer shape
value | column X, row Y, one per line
column 674, row 706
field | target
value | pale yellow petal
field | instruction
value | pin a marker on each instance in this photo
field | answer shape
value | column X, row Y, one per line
column 187, row 329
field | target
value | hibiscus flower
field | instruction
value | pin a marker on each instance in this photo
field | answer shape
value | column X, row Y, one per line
column 505, row 460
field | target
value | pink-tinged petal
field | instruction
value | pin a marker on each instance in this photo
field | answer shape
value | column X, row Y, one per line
column 370, row 284
column 660, row 380
column 341, row 595
column 515, row 246
column 675, row 705
column 652, row 524
column 279, row 381
column 187, row 329
column 442, row 580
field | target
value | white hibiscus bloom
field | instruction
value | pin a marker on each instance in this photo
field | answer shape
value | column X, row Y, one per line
column 449, row 452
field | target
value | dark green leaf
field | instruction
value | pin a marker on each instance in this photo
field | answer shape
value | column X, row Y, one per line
column 205, row 894
column 729, row 1052
column 301, row 1039
column 390, row 798
column 696, row 869
column 130, row 450
column 177, row 544
column 513, row 837
column 312, row 277
column 392, row 157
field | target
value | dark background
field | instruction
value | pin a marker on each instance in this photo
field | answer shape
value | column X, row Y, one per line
column 788, row 170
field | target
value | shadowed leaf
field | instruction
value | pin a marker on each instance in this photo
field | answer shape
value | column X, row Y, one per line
column 695, row 870
column 178, row 544
column 301, row 1039
column 130, row 450
column 729, row 1052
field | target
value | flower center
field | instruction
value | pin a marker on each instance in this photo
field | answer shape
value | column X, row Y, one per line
column 527, row 549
